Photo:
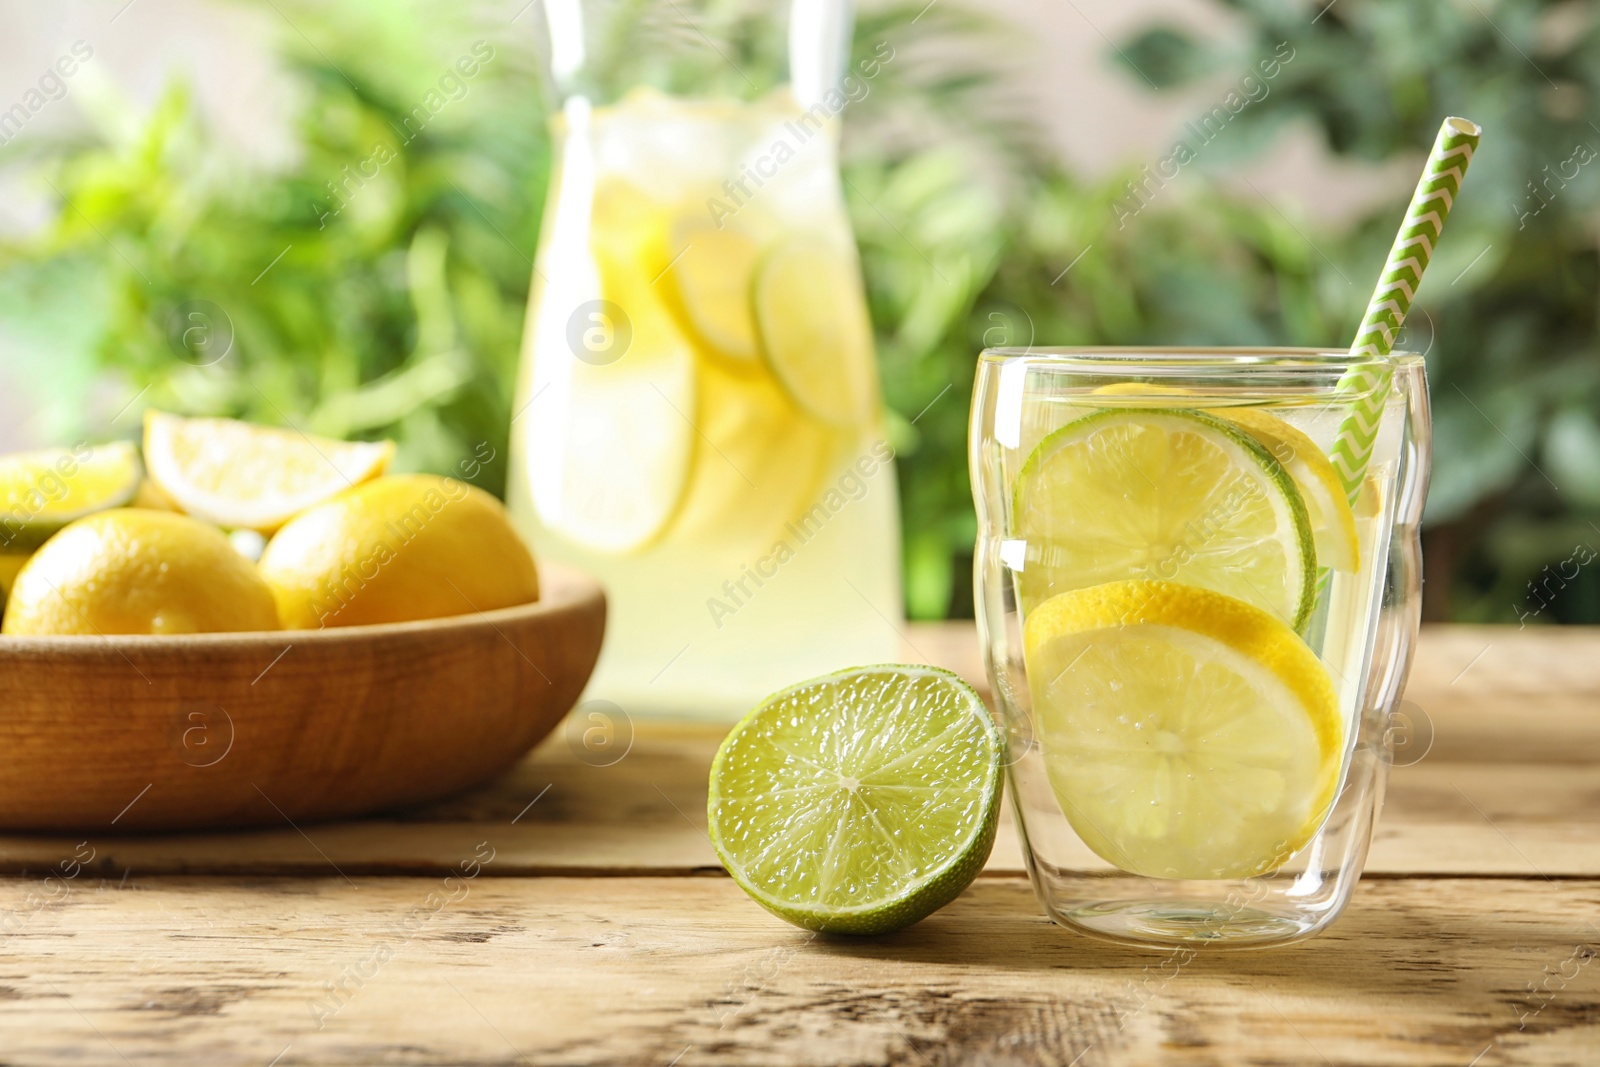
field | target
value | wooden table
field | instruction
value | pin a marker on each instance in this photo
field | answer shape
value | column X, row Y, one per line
column 571, row 913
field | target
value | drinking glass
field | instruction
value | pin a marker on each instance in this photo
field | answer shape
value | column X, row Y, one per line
column 698, row 421
column 1222, row 786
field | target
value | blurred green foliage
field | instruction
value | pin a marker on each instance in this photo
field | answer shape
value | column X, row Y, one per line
column 374, row 284
column 1509, row 305
column 371, row 286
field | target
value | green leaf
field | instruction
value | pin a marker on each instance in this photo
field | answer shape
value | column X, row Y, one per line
column 1572, row 453
column 1165, row 57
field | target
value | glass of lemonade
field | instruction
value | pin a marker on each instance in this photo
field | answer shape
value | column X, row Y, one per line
column 1195, row 637
column 698, row 417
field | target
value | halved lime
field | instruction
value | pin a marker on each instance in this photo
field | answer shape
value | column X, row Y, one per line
column 710, row 272
column 814, row 329
column 1333, row 524
column 859, row 802
column 1170, row 495
column 1186, row 734
column 40, row 492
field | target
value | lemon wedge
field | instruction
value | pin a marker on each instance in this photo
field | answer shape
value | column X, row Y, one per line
column 240, row 475
column 613, row 445
column 40, row 492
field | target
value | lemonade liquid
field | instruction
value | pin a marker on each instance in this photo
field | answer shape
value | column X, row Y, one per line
column 698, row 419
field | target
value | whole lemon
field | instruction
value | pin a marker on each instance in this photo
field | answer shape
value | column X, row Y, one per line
column 408, row 546
column 132, row 571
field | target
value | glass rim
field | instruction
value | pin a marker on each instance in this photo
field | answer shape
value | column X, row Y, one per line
column 1156, row 360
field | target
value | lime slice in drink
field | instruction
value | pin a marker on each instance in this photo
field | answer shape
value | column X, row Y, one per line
column 814, row 329
column 1333, row 524
column 859, row 802
column 40, row 492
column 1186, row 734
column 1170, row 495
column 710, row 274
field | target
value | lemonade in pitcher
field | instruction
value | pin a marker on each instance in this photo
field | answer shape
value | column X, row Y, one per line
column 698, row 418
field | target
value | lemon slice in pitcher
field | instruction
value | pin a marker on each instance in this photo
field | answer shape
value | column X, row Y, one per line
column 710, row 273
column 758, row 463
column 1185, row 734
column 614, row 440
column 1172, row 495
column 814, row 329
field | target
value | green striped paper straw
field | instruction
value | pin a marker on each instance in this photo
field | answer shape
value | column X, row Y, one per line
column 1368, row 384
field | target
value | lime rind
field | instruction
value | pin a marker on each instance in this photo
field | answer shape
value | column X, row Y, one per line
column 1295, row 596
column 859, row 802
column 1333, row 524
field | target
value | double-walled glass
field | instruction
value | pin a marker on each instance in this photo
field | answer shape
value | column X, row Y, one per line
column 1146, row 798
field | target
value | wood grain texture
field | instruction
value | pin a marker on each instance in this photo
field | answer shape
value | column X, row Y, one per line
column 114, row 734
column 556, row 815
column 458, row 933
column 688, row 971
column 646, row 815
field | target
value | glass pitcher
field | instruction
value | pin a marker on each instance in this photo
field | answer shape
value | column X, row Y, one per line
column 698, row 420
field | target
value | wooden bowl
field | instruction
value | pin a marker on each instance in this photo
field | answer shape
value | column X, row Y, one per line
column 108, row 734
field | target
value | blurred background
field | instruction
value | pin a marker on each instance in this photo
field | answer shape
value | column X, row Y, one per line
column 1012, row 179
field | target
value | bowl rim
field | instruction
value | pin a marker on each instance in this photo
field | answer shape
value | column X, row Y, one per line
column 562, row 588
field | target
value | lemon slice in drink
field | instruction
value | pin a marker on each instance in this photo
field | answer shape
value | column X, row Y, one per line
column 1159, row 395
column 814, row 329
column 1171, row 495
column 1333, row 524
column 237, row 474
column 710, row 272
column 40, row 492
column 859, row 802
column 1186, row 734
